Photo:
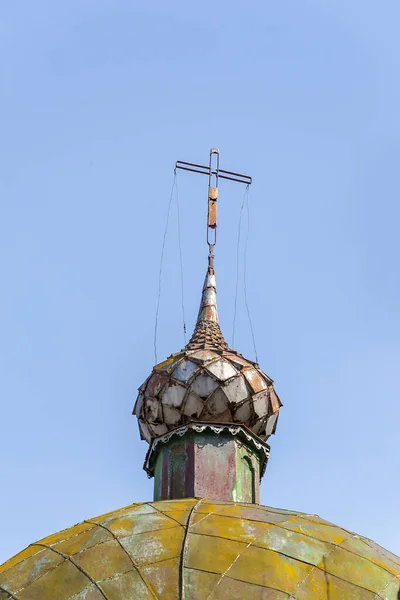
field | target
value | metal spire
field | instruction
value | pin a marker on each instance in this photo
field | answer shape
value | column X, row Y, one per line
column 208, row 306
column 207, row 333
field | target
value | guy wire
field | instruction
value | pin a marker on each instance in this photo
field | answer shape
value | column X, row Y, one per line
column 181, row 262
column 161, row 267
column 237, row 268
column 247, row 193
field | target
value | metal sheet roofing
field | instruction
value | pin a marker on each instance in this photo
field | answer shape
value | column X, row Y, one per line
column 206, row 386
column 202, row 550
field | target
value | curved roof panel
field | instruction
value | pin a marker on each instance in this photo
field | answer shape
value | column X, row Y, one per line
column 202, row 550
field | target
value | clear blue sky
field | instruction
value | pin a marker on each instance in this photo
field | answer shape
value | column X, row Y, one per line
column 98, row 99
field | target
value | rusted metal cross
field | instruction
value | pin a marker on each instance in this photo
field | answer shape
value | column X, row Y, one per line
column 214, row 174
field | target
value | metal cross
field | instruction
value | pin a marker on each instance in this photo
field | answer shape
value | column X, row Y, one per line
column 214, row 174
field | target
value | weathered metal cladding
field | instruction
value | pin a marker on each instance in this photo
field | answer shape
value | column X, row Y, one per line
column 174, row 470
column 206, row 464
column 202, row 549
column 208, row 305
column 207, row 386
column 206, row 383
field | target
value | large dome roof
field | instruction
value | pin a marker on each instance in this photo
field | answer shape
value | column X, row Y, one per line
column 202, row 550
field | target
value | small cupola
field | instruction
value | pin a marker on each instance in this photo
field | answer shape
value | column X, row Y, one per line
column 207, row 413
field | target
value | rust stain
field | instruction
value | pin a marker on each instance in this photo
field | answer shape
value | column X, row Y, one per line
column 156, row 382
column 255, row 380
column 210, row 312
column 275, row 402
column 212, row 213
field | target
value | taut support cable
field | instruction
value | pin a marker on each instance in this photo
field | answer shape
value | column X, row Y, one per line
column 161, row 267
column 180, row 261
column 247, row 193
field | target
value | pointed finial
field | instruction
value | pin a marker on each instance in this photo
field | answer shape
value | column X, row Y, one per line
column 208, row 305
column 207, row 333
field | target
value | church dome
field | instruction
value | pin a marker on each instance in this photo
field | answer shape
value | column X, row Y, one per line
column 206, row 413
column 207, row 382
column 202, row 550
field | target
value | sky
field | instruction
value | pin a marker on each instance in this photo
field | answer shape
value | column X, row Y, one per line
column 98, row 99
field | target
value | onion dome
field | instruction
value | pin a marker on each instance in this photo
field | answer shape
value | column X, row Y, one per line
column 197, row 549
column 207, row 382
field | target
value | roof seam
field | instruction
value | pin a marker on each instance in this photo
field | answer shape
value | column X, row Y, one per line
column 185, row 549
column 231, row 565
column 349, row 582
column 81, row 569
column 259, row 585
column 334, row 547
column 146, row 583
column 352, row 535
column 378, row 595
column 205, row 517
column 281, row 553
column 292, row 595
column 42, row 574
column 378, row 549
column 165, row 515
column 251, row 520
column 9, row 593
column 313, row 537
column 64, row 539
column 281, row 526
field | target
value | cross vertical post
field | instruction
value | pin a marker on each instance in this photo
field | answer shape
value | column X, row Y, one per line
column 214, row 174
column 212, row 200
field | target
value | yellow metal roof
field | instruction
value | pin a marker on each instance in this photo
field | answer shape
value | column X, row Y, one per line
column 195, row 549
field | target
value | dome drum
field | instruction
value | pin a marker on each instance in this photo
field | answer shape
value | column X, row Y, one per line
column 218, row 461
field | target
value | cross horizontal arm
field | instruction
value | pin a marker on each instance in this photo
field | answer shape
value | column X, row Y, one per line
column 204, row 170
column 214, row 173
